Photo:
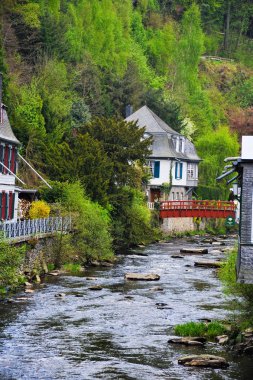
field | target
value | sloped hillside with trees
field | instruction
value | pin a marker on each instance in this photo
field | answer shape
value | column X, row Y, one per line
column 72, row 66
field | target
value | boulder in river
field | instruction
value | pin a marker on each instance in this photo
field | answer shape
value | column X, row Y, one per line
column 177, row 256
column 188, row 341
column 204, row 361
column 222, row 339
column 142, row 277
column 95, row 287
column 208, row 264
column 195, row 251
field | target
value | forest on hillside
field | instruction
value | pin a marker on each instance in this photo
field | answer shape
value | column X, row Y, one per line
column 72, row 66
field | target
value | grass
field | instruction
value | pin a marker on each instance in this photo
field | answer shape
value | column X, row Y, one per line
column 210, row 330
column 73, row 268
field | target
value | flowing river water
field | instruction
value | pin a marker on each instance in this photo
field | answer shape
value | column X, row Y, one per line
column 120, row 332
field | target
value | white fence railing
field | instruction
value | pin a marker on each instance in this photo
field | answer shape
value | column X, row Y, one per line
column 30, row 227
column 151, row 205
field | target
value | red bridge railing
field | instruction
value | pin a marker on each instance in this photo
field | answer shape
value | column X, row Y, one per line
column 197, row 208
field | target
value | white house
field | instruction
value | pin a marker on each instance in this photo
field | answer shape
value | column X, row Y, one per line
column 173, row 162
column 8, row 166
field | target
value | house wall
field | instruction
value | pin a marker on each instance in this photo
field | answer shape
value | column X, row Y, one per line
column 245, row 257
column 164, row 173
column 6, row 180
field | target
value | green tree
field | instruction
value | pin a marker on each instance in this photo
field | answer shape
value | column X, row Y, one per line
column 123, row 144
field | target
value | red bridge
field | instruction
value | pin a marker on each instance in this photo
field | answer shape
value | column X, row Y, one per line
column 202, row 209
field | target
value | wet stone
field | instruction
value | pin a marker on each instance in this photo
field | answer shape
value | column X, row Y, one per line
column 60, row 295
column 203, row 361
column 177, row 257
column 95, row 287
column 157, row 289
column 222, row 339
column 208, row 264
column 142, row 277
column 188, row 341
column 195, row 251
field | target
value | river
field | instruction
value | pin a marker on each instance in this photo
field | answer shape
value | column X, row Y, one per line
column 122, row 331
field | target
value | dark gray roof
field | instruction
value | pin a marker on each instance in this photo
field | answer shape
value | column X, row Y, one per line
column 148, row 119
column 6, row 132
column 163, row 146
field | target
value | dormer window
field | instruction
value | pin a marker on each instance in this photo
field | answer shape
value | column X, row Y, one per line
column 178, row 142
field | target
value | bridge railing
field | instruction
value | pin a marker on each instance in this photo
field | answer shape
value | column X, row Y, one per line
column 31, row 227
column 198, row 205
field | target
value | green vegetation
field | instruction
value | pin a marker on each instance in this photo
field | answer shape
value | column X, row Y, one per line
column 209, row 330
column 242, row 293
column 11, row 258
column 70, row 69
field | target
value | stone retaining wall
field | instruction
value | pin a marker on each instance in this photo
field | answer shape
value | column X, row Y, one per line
column 187, row 224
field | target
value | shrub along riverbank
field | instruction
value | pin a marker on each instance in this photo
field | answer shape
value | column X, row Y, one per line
column 97, row 233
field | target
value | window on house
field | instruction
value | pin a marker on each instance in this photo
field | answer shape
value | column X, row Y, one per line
column 155, row 168
column 173, row 195
column 191, row 171
column 179, row 170
column 181, row 145
column 178, row 196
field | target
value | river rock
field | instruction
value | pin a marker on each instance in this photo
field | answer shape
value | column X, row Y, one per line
column 222, row 339
column 195, row 251
column 248, row 350
column 177, row 256
column 28, row 284
column 157, row 289
column 54, row 273
column 90, row 278
column 208, row 264
column 188, row 341
column 106, row 264
column 29, row 291
column 95, row 287
column 142, row 277
column 204, row 361
column 60, row 295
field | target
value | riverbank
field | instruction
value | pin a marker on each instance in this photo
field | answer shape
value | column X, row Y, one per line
column 121, row 331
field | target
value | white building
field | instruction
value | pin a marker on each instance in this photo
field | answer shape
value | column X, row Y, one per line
column 173, row 162
column 8, row 166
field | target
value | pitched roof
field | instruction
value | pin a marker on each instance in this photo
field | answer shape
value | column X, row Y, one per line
column 162, row 133
column 6, row 132
column 148, row 119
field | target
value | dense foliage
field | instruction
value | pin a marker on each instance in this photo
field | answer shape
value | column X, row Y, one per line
column 11, row 258
column 72, row 66
column 67, row 62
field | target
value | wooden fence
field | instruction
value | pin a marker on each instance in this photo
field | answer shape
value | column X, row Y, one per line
column 34, row 227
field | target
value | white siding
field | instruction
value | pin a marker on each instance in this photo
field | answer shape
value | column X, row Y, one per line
column 164, row 173
column 7, row 179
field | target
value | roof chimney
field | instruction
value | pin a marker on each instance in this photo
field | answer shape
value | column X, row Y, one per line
column 1, row 95
column 129, row 110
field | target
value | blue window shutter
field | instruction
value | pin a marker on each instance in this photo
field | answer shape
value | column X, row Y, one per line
column 157, row 169
column 176, row 169
column 181, row 170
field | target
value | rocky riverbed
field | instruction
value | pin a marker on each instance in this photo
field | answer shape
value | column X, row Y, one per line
column 67, row 330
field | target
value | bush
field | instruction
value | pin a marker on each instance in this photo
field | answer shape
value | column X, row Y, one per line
column 92, row 223
column 131, row 219
column 39, row 209
column 10, row 261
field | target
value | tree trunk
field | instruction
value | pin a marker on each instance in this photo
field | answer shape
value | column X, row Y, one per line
column 227, row 27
